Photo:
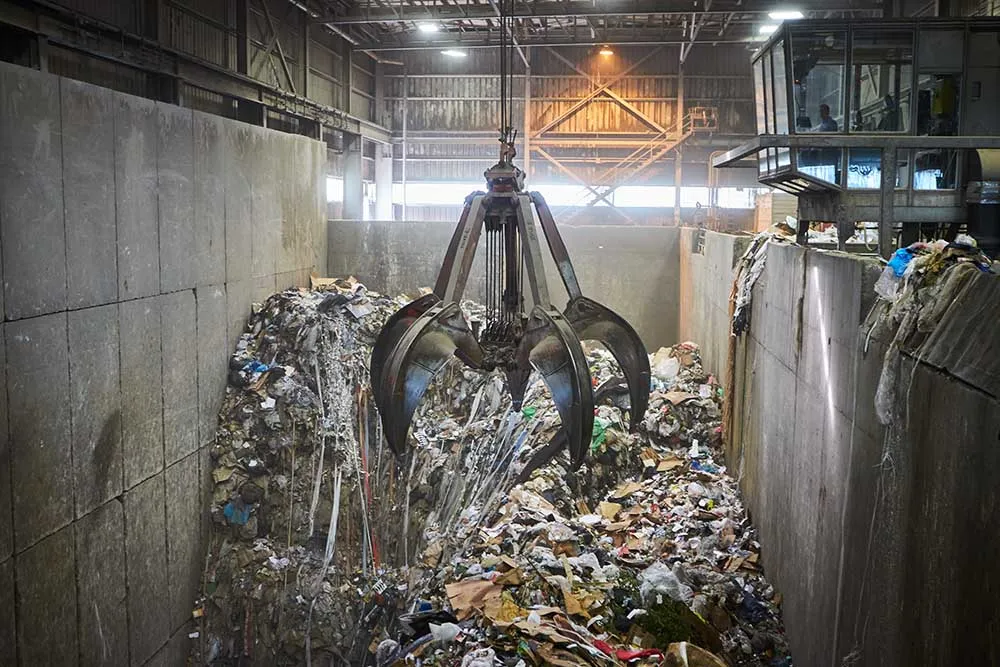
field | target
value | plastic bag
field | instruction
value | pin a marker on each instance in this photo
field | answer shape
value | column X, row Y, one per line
column 657, row 579
column 483, row 657
column 887, row 285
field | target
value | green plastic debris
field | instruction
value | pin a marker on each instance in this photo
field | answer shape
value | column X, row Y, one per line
column 529, row 411
column 600, row 428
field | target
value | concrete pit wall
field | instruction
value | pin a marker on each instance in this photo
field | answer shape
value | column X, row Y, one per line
column 879, row 539
column 632, row 270
column 134, row 237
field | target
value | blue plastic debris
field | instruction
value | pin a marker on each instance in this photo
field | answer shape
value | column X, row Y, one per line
column 237, row 515
column 705, row 467
column 254, row 366
column 900, row 260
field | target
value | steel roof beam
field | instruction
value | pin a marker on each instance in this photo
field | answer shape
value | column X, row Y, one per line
column 537, row 10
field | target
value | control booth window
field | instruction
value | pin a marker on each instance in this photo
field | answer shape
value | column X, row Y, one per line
column 818, row 75
column 881, row 81
column 818, row 80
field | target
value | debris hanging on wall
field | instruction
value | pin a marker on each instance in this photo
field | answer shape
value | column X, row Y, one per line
column 917, row 287
column 479, row 548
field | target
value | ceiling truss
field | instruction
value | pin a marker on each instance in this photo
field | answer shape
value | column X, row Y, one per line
column 383, row 25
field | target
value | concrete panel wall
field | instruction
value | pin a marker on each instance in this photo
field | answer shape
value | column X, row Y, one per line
column 127, row 232
column 876, row 537
column 633, row 270
column 706, row 278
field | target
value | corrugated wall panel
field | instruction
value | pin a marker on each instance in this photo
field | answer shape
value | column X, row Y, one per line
column 190, row 34
column 76, row 65
column 324, row 91
column 324, row 59
column 361, row 106
column 120, row 14
column 207, row 101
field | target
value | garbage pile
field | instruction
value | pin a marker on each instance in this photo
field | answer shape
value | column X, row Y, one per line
column 481, row 547
column 917, row 286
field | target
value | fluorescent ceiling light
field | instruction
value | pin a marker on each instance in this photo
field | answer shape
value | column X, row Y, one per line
column 786, row 14
column 767, row 29
column 427, row 27
column 452, row 53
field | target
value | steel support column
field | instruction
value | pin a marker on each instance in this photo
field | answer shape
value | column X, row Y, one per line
column 679, row 129
column 887, row 207
column 526, row 130
column 346, row 77
column 383, row 182
column 403, row 147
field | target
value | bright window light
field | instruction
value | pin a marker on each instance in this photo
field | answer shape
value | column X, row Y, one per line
column 334, row 189
column 767, row 29
column 427, row 27
column 785, row 15
column 563, row 195
column 644, row 196
column 453, row 53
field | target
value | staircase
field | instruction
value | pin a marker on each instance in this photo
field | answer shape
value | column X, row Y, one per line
column 698, row 119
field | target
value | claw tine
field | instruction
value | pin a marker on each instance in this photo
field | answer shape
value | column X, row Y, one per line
column 392, row 331
column 593, row 321
column 555, row 352
column 418, row 356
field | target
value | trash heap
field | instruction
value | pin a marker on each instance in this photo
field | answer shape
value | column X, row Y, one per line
column 916, row 288
column 480, row 547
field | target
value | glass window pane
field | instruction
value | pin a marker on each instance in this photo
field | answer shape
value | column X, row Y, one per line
column 818, row 80
column 937, row 104
column 758, row 94
column 781, row 102
column 780, row 90
column 881, row 80
column 821, row 163
column 768, row 94
column 864, row 168
column 935, row 169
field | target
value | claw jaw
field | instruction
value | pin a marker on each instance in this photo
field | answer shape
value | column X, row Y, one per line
column 418, row 340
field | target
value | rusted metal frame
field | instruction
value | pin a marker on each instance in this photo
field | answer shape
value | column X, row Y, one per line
column 612, row 94
column 566, row 170
column 592, row 94
column 254, row 68
column 277, row 43
column 273, row 41
column 641, row 168
column 569, row 172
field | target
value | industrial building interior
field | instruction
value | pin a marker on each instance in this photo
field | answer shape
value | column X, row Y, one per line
column 290, row 378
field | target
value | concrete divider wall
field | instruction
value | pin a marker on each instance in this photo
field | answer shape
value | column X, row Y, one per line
column 632, row 270
column 878, row 538
column 706, row 278
column 134, row 237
